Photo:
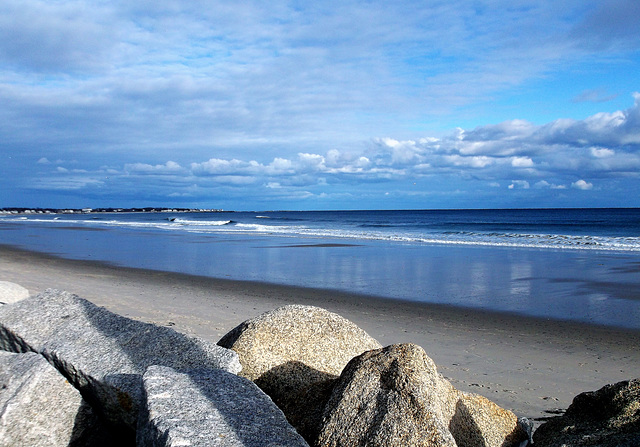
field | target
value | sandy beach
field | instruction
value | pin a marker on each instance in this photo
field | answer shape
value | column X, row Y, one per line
column 530, row 366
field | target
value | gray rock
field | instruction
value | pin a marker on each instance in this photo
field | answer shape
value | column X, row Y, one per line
column 395, row 396
column 608, row 417
column 210, row 408
column 103, row 354
column 294, row 354
column 38, row 407
column 11, row 293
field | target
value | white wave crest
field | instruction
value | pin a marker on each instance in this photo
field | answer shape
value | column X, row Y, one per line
column 397, row 235
column 200, row 222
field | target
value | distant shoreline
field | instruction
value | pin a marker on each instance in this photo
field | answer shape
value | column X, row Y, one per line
column 20, row 211
column 107, row 210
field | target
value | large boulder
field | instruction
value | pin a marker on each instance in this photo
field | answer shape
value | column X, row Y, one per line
column 38, row 407
column 210, row 407
column 12, row 293
column 294, row 354
column 102, row 354
column 608, row 417
column 395, row 396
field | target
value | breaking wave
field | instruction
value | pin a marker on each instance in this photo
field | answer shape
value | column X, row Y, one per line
column 380, row 229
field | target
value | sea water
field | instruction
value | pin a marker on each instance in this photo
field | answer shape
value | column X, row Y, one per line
column 575, row 264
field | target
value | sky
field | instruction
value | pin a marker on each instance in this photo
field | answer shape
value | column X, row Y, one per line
column 350, row 104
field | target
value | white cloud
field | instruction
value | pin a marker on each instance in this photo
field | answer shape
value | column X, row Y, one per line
column 582, row 184
column 542, row 184
column 294, row 96
column 169, row 167
column 521, row 162
column 69, row 183
column 602, row 152
column 311, row 160
column 280, row 166
column 55, row 36
column 539, row 158
column 194, row 72
column 473, row 162
column 234, row 180
column 217, row 166
column 519, row 184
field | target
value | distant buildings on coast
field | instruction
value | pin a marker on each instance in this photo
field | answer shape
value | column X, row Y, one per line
column 104, row 210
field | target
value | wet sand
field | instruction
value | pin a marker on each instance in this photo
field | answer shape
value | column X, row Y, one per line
column 529, row 365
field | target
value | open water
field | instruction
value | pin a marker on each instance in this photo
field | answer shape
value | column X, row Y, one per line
column 571, row 264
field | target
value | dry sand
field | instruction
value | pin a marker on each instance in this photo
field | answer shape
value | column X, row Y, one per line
column 530, row 366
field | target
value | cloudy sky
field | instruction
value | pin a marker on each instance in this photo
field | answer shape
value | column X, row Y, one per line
column 323, row 104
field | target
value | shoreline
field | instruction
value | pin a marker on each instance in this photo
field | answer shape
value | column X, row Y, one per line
column 592, row 286
column 526, row 364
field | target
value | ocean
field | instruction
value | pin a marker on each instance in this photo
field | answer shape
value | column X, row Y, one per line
column 566, row 264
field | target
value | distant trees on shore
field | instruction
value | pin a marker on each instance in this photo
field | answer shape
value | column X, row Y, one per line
column 148, row 209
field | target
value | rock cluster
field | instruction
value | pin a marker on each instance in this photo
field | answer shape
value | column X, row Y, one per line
column 107, row 363
column 79, row 375
column 294, row 354
column 395, row 396
column 12, row 293
column 103, row 354
column 608, row 417
column 210, row 407
column 39, row 405
column 339, row 387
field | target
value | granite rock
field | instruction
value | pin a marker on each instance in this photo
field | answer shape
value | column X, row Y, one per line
column 295, row 353
column 38, row 407
column 607, row 417
column 12, row 293
column 210, row 408
column 102, row 354
column 395, row 396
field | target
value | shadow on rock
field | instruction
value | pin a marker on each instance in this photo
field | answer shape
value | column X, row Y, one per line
column 91, row 430
column 464, row 429
column 301, row 392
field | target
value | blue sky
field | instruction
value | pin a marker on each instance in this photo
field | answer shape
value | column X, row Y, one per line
column 320, row 105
